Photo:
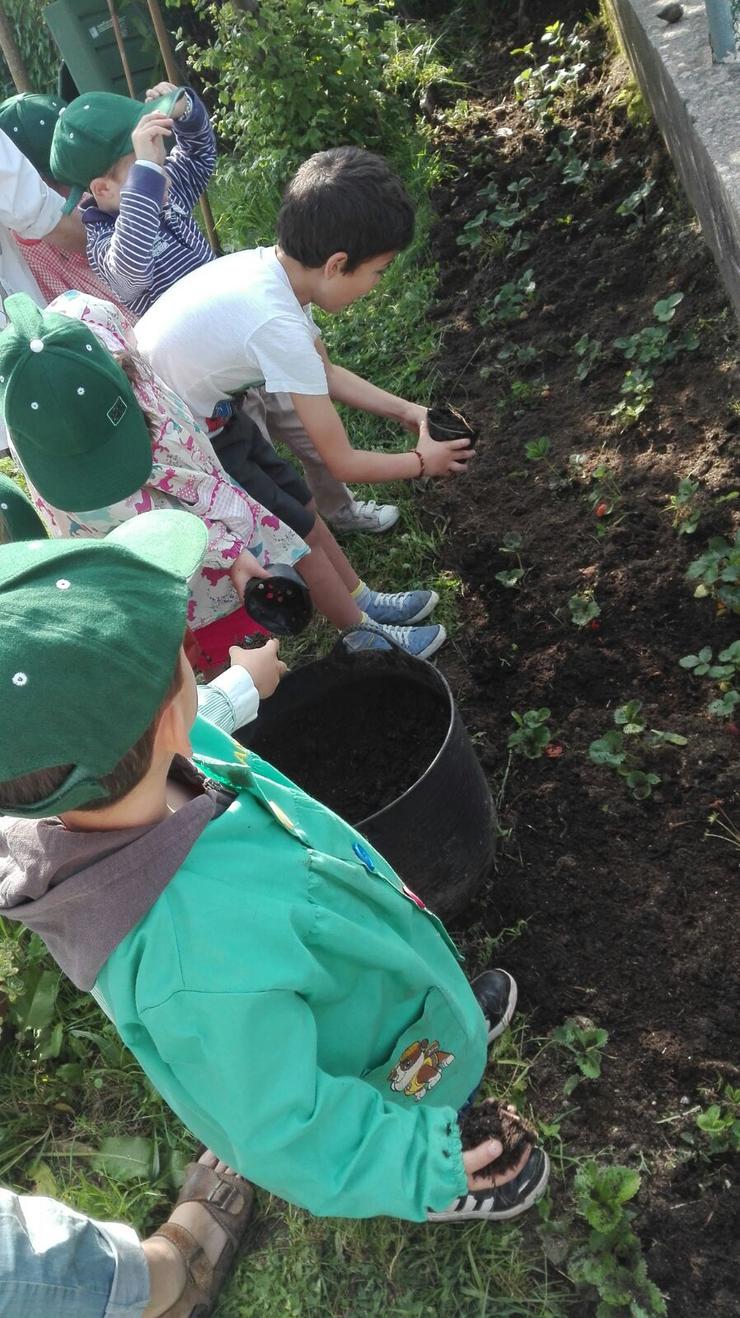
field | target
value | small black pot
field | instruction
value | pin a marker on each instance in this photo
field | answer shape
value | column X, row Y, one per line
column 281, row 603
column 446, row 423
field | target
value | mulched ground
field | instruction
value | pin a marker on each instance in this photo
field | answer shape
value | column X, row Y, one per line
column 629, row 905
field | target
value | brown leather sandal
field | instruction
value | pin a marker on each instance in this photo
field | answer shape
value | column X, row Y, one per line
column 229, row 1199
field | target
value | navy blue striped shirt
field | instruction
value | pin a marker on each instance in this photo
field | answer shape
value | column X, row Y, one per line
column 147, row 247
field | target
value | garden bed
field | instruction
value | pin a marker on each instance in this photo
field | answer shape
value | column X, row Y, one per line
column 629, row 903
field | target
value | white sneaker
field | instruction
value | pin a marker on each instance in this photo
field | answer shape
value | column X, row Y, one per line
column 365, row 515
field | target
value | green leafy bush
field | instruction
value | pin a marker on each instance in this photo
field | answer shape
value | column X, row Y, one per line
column 295, row 77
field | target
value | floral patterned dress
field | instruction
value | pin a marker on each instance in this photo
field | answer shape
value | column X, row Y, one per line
column 186, row 474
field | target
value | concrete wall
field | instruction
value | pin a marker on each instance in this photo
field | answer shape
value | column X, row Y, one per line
column 697, row 106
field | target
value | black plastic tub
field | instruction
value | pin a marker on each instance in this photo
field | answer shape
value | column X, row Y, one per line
column 377, row 736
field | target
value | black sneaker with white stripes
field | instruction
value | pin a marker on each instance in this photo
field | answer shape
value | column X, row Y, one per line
column 496, row 992
column 504, row 1201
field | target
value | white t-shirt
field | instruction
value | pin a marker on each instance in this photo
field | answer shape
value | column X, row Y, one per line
column 233, row 324
column 32, row 210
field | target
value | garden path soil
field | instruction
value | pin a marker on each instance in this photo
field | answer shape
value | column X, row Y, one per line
column 631, row 910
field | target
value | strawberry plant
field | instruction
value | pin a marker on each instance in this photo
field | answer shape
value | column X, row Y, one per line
column 588, row 351
column 511, row 577
column 615, row 749
column 532, row 734
column 585, row 1043
column 717, row 572
column 611, row 1261
column 512, row 302
column 633, row 205
column 650, row 348
column 583, row 608
column 726, row 671
column 637, row 394
column 684, row 507
column 720, row 1123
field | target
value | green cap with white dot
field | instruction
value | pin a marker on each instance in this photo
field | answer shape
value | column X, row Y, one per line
column 89, row 643
column 70, row 410
column 94, row 132
column 18, row 517
column 29, row 119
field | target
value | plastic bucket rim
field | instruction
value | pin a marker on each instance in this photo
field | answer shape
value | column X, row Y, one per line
column 452, row 711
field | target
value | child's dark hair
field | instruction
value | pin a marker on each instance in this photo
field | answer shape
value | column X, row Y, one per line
column 344, row 200
column 30, row 788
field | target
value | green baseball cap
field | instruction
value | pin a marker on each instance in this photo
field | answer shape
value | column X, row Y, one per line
column 91, row 631
column 17, row 513
column 29, row 120
column 70, row 410
column 94, row 131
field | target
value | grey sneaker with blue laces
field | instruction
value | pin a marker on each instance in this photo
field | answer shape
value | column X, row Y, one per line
column 405, row 607
column 502, row 1201
column 421, row 642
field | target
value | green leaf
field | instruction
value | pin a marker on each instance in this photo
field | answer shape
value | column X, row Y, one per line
column 125, row 1157
column 40, row 1010
column 510, row 578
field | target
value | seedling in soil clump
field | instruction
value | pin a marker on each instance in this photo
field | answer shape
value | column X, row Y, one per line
column 512, row 302
column 511, row 577
column 583, row 609
column 585, row 1043
column 532, row 734
column 588, row 350
column 611, row 1261
column 493, row 1120
column 725, row 671
column 684, row 506
column 613, row 749
column 447, row 423
column 717, row 571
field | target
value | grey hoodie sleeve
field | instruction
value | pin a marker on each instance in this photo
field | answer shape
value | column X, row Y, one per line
column 230, row 700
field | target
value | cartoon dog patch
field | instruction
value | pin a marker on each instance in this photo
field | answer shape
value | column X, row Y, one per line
column 419, row 1068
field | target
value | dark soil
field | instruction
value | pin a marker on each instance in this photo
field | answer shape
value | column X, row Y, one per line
column 384, row 735
column 492, row 1120
column 631, row 910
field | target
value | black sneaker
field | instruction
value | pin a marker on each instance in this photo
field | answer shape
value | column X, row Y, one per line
column 504, row 1201
column 496, row 992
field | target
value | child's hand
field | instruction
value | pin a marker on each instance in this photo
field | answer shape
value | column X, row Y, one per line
column 148, row 137
column 443, row 459
column 487, row 1152
column 265, row 670
column 161, row 89
column 243, row 569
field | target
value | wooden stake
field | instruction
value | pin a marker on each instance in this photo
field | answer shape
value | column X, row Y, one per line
column 121, row 50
